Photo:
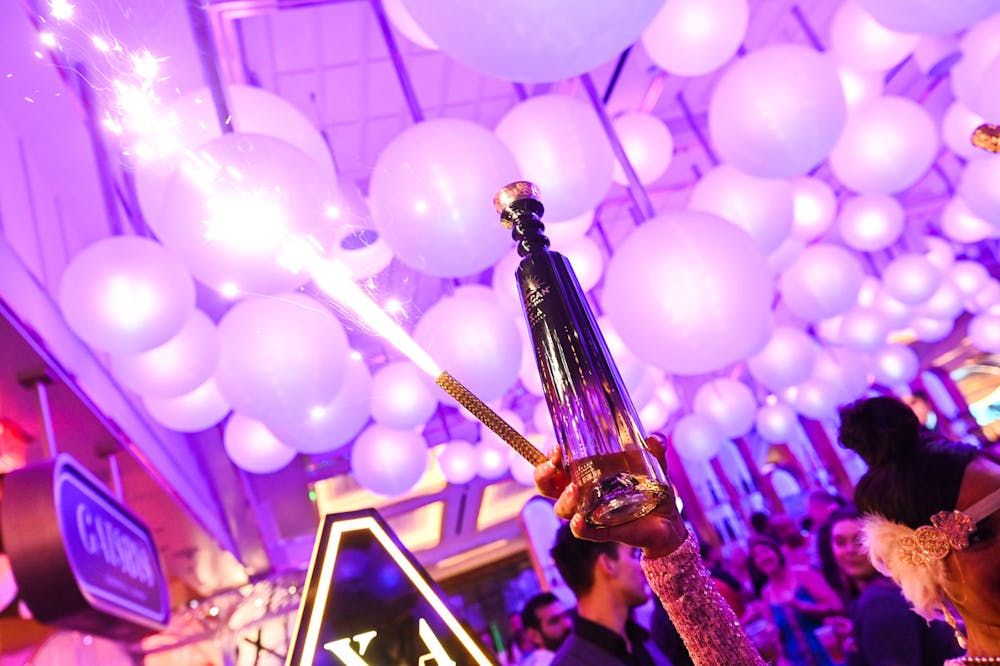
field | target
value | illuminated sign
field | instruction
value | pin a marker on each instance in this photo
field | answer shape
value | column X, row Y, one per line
column 367, row 601
column 81, row 560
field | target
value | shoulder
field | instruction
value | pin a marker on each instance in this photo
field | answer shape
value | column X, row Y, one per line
column 883, row 596
column 578, row 651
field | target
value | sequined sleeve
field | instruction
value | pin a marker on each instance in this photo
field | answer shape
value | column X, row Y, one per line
column 704, row 620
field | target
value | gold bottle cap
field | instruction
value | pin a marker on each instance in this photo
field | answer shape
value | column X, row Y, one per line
column 516, row 191
column 986, row 137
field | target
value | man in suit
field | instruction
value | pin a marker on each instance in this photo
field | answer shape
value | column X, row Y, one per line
column 608, row 582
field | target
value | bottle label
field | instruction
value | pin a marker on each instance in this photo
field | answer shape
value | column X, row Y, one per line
column 534, row 295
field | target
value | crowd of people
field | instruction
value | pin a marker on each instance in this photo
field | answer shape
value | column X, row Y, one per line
column 908, row 574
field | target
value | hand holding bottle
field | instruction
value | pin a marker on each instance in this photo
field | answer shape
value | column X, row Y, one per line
column 658, row 533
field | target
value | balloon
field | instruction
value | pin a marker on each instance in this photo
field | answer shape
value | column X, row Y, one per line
column 401, row 398
column 655, row 414
column 985, row 298
column 281, row 357
column 697, row 438
column 776, row 423
column 939, row 252
column 388, row 462
column 977, row 186
column 505, row 285
column 929, row 16
column 458, row 461
column 680, row 286
column 895, row 312
column 911, row 279
column 931, row 330
column 980, row 51
column 520, row 469
column 648, row 144
column 473, row 338
column 863, row 329
column 946, row 303
column 960, row 224
column 362, row 255
column 587, row 261
column 844, row 370
column 561, row 147
column 695, row 37
column 531, row 380
column 871, row 222
column 787, row 358
column 729, row 403
column 823, row 282
column 492, row 460
column 968, row 276
column 984, row 332
column 532, row 42
column 815, row 398
column 895, row 364
column 814, row 207
column 337, row 422
column 862, row 43
column 253, row 110
column 777, row 111
column 567, row 231
column 401, row 19
column 785, row 255
column 860, row 87
column 907, row 146
column 178, row 366
column 935, row 55
column 235, row 208
column 198, row 410
column 957, row 126
column 431, row 197
column 253, row 448
column 126, row 294
column 761, row 207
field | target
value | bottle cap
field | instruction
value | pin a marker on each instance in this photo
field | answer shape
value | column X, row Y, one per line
column 986, row 137
column 516, row 191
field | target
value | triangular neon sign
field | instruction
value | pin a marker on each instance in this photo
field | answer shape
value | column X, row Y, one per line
column 367, row 601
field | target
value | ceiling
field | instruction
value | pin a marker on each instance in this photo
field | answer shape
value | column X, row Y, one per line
column 361, row 82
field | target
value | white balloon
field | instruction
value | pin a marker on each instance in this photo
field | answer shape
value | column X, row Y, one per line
column 946, row 303
column 929, row 16
column 253, row 448
column 777, row 111
column 587, row 261
column 984, row 332
column 939, row 252
column 871, row 222
column 126, row 294
column 785, row 255
column 528, row 41
column 957, row 126
column 911, row 279
column 863, row 329
column 895, row 364
column 567, row 231
column 697, row 438
column 935, row 55
column 896, row 313
column 977, row 186
column 814, row 207
column 388, row 462
column 787, row 358
column 401, row 19
column 887, row 145
column 458, row 461
column 504, row 283
column 176, row 367
column 960, row 224
column 761, row 207
column 198, row 410
column 561, row 147
column 492, row 460
column 695, row 37
column 648, row 144
column 520, row 469
column 980, row 49
column 729, row 403
column 401, row 398
column 823, row 282
column 931, row 330
column 844, row 370
column 969, row 276
column 860, row 87
column 860, row 42
column 985, row 299
column 336, row 423
column 776, row 423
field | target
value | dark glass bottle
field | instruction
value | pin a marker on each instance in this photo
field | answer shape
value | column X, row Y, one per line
column 596, row 425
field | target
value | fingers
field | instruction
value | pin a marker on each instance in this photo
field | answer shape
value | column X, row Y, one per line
column 657, row 445
column 565, row 506
column 550, row 479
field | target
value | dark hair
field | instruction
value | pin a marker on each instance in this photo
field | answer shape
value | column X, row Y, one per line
column 910, row 476
column 846, row 588
column 757, row 577
column 760, row 522
column 529, row 614
column 575, row 558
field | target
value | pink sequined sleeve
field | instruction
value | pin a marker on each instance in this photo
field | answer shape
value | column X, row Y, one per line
column 704, row 620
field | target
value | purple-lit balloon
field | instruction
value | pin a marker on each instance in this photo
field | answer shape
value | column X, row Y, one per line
column 931, row 330
column 492, row 460
column 126, row 294
column 887, row 145
column 871, row 222
column 254, row 448
column 823, row 282
column 528, row 41
column 960, row 224
column 814, row 207
column 560, row 146
column 978, row 187
column 431, row 196
column 815, row 398
column 178, row 366
column 388, row 462
column 860, row 42
column 946, row 303
column 984, row 332
column 787, row 358
column 458, row 461
column 895, row 364
column 587, row 261
column 985, row 299
column 400, row 395
column 929, row 16
column 697, row 438
column 863, row 329
column 911, row 278
column 957, row 126
column 777, row 111
column 198, row 410
column 845, row 370
column 860, row 87
column 776, row 423
column 695, row 37
column 648, row 145
column 679, row 288
column 561, row 232
column 760, row 206
column 969, row 276
column 281, row 357
column 401, row 19
column 980, row 50
column 729, row 403
column 337, row 422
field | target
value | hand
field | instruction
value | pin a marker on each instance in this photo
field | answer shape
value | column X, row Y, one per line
column 659, row 533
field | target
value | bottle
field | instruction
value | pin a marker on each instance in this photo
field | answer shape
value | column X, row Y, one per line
column 596, row 425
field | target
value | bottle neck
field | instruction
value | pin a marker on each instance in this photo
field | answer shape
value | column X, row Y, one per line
column 527, row 229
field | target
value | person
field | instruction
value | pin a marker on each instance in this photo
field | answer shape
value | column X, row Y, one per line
column 932, row 518
column 797, row 600
column 882, row 629
column 609, row 584
column 671, row 565
column 821, row 505
column 546, row 624
column 920, row 403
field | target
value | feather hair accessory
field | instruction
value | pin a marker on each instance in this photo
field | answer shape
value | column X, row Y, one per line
column 890, row 548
